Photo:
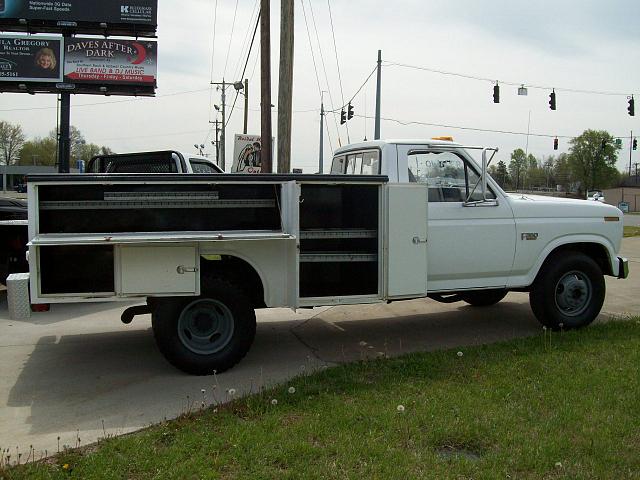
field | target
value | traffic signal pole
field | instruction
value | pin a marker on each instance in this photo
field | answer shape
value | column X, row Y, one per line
column 378, row 95
column 630, row 151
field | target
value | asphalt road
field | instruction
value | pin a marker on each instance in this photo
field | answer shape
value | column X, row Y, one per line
column 68, row 372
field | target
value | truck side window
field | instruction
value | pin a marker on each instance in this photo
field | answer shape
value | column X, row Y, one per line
column 357, row 163
column 447, row 175
column 198, row 166
column 337, row 167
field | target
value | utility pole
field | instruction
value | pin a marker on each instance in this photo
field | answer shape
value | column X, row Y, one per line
column 220, row 149
column 321, row 155
column 636, row 164
column 246, row 105
column 217, row 142
column 223, row 135
column 265, row 85
column 285, row 88
column 378, row 97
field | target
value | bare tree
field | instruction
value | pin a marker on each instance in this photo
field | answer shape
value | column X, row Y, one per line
column 11, row 140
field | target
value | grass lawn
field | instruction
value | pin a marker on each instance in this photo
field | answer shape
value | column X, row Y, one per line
column 561, row 405
column 632, row 231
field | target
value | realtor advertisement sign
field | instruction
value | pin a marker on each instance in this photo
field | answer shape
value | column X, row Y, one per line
column 134, row 12
column 109, row 62
column 30, row 59
column 246, row 154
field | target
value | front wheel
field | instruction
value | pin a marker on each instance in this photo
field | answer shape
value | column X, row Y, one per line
column 568, row 292
column 205, row 334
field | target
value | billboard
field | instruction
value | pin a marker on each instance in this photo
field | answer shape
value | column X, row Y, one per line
column 246, row 154
column 122, row 17
column 110, row 62
column 30, row 59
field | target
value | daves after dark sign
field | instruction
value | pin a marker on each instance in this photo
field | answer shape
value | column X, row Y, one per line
column 135, row 17
column 110, row 61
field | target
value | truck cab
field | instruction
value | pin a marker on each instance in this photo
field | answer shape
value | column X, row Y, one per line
column 480, row 237
column 167, row 161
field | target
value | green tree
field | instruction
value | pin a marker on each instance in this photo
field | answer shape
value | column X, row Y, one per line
column 500, row 174
column 517, row 167
column 80, row 149
column 11, row 140
column 562, row 172
column 39, row 151
column 592, row 160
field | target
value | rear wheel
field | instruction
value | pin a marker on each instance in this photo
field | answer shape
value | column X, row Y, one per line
column 484, row 298
column 569, row 291
column 212, row 332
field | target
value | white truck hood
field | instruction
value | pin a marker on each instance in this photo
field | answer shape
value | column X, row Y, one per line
column 528, row 206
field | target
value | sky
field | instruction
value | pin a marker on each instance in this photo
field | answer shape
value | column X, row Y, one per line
column 565, row 44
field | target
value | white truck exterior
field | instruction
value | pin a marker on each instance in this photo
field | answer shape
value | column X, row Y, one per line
column 395, row 220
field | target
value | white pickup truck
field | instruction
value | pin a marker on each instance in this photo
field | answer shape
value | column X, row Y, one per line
column 394, row 220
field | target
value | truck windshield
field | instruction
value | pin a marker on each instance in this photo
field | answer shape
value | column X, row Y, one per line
column 366, row 162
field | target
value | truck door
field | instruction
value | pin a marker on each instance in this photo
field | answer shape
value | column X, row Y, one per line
column 469, row 246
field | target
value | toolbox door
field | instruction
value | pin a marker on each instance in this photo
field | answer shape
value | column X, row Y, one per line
column 406, row 235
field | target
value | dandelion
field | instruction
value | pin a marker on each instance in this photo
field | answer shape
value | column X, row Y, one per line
column 460, row 354
column 231, row 392
column 292, row 390
column 65, row 466
column 274, row 401
column 400, row 409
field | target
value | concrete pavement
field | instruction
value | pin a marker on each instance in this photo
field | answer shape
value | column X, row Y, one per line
column 66, row 372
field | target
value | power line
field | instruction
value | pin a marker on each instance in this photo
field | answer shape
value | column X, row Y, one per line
column 326, row 77
column 233, row 27
column 313, row 57
column 335, row 48
column 503, row 82
column 136, row 99
column 476, row 129
column 357, row 91
column 245, row 68
column 245, row 42
column 213, row 54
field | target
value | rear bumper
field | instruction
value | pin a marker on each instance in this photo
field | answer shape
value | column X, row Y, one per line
column 623, row 267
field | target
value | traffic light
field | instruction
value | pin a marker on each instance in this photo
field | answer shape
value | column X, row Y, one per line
column 635, row 143
column 552, row 100
column 555, row 144
column 632, row 107
column 349, row 111
column 343, row 117
column 496, row 93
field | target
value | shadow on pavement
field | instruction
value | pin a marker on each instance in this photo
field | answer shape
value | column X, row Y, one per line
column 75, row 381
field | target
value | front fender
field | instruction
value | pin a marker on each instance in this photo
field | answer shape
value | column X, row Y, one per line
column 524, row 278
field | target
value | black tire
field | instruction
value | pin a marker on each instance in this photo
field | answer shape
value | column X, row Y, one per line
column 212, row 332
column 484, row 298
column 568, row 292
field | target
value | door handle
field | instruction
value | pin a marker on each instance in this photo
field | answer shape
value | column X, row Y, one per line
column 417, row 241
column 182, row 269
